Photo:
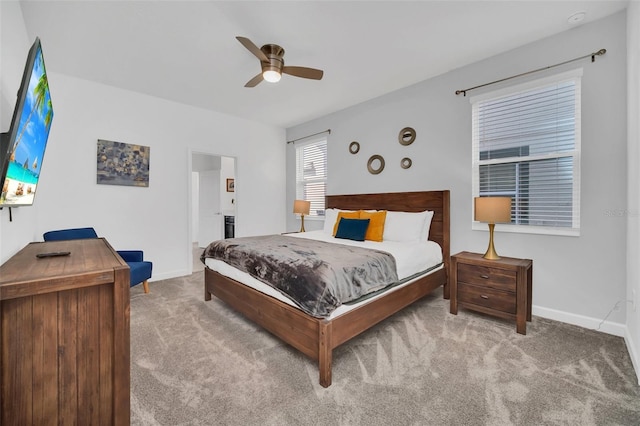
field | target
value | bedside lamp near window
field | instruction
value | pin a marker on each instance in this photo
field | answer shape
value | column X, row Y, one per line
column 492, row 210
column 301, row 207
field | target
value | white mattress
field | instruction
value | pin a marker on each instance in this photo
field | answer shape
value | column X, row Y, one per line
column 411, row 258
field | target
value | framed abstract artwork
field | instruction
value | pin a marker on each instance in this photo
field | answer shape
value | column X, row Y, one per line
column 121, row 163
column 231, row 186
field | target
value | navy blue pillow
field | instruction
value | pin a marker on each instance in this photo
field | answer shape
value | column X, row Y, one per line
column 352, row 229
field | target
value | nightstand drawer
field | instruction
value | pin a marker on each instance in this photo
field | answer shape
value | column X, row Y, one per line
column 501, row 279
column 487, row 297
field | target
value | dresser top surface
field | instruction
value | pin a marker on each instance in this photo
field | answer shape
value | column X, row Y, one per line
column 88, row 255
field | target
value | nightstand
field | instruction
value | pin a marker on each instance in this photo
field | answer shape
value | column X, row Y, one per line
column 496, row 287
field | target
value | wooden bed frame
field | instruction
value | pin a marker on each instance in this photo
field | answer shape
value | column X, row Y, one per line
column 317, row 337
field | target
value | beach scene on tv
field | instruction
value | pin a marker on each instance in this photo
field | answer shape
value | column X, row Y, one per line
column 27, row 151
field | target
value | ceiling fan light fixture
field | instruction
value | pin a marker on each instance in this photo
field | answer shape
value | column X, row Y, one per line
column 272, row 76
column 272, row 64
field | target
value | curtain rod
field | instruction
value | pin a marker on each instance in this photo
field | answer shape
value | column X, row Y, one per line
column 308, row 136
column 592, row 55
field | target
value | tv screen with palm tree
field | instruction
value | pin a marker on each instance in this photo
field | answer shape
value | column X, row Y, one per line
column 23, row 147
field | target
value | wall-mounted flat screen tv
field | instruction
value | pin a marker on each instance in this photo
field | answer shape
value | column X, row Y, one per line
column 23, row 146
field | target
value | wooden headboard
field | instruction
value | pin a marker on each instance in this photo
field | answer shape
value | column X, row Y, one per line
column 437, row 201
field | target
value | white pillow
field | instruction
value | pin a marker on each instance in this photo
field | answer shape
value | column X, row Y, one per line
column 406, row 226
column 330, row 217
column 427, row 226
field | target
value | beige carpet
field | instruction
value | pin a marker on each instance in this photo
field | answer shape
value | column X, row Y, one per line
column 199, row 363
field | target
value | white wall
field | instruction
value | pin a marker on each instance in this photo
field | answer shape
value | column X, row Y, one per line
column 633, row 181
column 154, row 219
column 576, row 279
column 13, row 38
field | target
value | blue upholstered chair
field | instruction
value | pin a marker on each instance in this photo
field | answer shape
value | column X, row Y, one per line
column 140, row 269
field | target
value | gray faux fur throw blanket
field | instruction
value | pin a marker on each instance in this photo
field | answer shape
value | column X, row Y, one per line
column 318, row 276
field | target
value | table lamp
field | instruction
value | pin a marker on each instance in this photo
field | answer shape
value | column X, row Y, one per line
column 492, row 210
column 301, row 207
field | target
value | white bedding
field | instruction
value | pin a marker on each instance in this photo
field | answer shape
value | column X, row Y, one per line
column 411, row 258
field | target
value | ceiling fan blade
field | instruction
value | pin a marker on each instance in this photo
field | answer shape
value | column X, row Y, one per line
column 254, row 81
column 304, row 72
column 253, row 48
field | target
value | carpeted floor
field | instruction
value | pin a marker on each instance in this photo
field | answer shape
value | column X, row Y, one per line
column 199, row 363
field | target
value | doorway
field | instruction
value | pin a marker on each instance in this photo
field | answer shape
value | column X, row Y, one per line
column 212, row 205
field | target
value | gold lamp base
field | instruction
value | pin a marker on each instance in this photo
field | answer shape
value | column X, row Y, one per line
column 302, row 223
column 491, row 251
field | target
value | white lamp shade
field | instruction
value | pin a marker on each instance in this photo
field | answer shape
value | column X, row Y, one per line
column 301, row 207
column 492, row 209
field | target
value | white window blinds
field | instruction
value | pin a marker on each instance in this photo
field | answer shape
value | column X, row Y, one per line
column 526, row 145
column 311, row 174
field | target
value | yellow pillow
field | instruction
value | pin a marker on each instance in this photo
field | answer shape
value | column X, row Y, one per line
column 348, row 215
column 376, row 224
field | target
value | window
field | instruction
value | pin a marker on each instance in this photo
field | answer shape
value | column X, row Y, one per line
column 311, row 174
column 526, row 145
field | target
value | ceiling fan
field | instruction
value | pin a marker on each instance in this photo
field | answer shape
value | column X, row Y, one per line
column 272, row 63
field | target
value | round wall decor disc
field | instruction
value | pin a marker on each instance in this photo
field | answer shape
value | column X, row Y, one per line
column 407, row 136
column 374, row 168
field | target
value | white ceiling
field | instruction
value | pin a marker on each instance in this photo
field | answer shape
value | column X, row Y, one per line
column 186, row 51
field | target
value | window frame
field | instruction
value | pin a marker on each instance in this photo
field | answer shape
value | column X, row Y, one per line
column 299, row 183
column 574, row 75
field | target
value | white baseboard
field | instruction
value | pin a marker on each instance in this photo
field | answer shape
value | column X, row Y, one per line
column 614, row 328
column 632, row 354
column 168, row 275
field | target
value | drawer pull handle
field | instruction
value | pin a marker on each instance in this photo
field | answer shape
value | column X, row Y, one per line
column 484, row 296
column 486, row 277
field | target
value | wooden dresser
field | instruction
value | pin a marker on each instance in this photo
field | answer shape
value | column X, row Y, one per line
column 499, row 287
column 64, row 336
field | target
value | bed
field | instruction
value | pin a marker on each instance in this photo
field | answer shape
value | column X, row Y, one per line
column 317, row 337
